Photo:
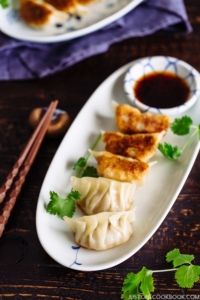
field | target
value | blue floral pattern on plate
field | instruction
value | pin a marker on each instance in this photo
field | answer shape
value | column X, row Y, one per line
column 76, row 251
column 147, row 65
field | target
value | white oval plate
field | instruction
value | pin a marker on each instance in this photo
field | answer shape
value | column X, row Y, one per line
column 99, row 14
column 153, row 200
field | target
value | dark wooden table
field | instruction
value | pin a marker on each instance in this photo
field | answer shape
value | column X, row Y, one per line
column 26, row 271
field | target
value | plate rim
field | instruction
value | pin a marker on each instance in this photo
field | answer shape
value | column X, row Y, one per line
column 77, row 33
column 123, row 258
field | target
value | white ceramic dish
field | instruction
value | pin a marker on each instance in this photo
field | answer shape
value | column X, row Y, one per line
column 147, row 65
column 153, row 200
column 99, row 14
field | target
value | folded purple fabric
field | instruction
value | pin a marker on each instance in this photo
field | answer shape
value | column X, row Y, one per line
column 25, row 60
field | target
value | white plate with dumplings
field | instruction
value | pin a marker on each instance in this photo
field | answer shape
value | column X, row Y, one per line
column 58, row 25
column 152, row 200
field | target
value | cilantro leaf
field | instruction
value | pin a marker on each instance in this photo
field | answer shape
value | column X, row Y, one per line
column 187, row 275
column 170, row 151
column 130, row 286
column 140, row 285
column 137, row 284
column 84, row 171
column 4, row 3
column 181, row 126
column 90, row 172
column 62, row 206
column 178, row 259
column 147, row 285
column 79, row 165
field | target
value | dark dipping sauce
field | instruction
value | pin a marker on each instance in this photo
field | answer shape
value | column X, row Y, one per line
column 162, row 90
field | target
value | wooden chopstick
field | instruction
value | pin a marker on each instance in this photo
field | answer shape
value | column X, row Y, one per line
column 22, row 167
column 13, row 173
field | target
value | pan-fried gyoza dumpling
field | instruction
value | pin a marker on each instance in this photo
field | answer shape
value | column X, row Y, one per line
column 130, row 120
column 102, row 231
column 46, row 14
column 119, row 167
column 103, row 194
column 69, row 6
column 83, row 2
column 40, row 15
column 140, row 145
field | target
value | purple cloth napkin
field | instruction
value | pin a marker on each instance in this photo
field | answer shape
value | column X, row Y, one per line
column 24, row 60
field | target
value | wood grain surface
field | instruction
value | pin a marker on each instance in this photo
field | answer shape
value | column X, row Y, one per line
column 26, row 271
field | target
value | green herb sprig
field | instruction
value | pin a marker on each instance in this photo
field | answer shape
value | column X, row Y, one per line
column 4, row 3
column 62, row 207
column 80, row 167
column 170, row 151
column 180, row 126
column 140, row 284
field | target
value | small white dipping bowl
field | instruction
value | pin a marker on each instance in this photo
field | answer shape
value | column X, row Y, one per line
column 145, row 66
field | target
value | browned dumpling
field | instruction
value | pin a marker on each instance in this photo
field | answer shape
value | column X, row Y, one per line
column 140, row 145
column 131, row 120
column 84, row 1
column 119, row 167
column 63, row 5
column 39, row 14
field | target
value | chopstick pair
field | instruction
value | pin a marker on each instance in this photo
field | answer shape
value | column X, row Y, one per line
column 17, row 176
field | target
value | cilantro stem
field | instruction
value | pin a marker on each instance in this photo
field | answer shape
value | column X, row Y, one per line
column 87, row 156
column 140, row 285
column 180, row 127
column 190, row 139
column 193, row 126
column 164, row 270
column 81, row 165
